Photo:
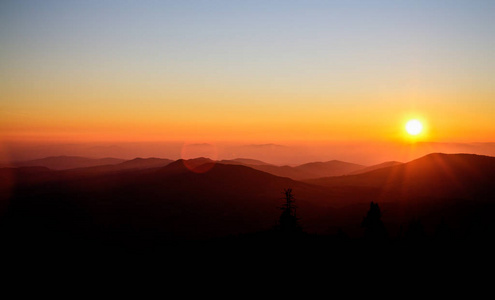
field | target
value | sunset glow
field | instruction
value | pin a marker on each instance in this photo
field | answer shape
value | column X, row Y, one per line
column 302, row 73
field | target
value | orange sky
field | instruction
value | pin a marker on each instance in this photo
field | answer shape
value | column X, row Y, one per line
column 267, row 119
column 253, row 74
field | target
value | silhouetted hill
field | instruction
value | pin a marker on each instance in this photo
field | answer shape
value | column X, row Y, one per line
column 145, row 163
column 453, row 187
column 14, row 179
column 68, row 162
column 173, row 202
column 126, row 166
column 329, row 168
column 199, row 164
column 310, row 170
column 244, row 161
column 375, row 167
column 11, row 176
column 283, row 171
column 435, row 175
column 199, row 198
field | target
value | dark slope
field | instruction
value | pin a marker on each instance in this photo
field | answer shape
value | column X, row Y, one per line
column 160, row 204
column 283, row 171
column 126, row 166
column 310, row 170
column 437, row 175
column 144, row 163
column 376, row 167
column 455, row 188
column 329, row 168
column 244, row 161
column 195, row 200
column 68, row 162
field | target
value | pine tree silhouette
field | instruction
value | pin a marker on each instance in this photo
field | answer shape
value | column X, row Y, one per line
column 374, row 228
column 288, row 222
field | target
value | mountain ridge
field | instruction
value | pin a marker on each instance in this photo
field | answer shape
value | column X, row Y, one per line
column 425, row 177
column 176, row 202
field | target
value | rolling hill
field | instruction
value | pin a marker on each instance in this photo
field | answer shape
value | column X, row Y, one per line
column 436, row 175
column 144, row 163
column 244, row 161
column 201, row 199
column 376, row 167
column 172, row 201
column 310, row 170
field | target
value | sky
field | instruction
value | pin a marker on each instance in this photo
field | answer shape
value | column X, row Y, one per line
column 246, row 72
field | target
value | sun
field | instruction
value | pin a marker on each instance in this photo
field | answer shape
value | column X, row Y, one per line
column 414, row 127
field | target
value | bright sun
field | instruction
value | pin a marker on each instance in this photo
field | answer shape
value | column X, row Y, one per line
column 414, row 127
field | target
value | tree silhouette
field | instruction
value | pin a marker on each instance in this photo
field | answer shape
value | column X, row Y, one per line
column 288, row 222
column 374, row 228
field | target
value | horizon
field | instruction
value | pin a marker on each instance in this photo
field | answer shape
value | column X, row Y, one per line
column 270, row 153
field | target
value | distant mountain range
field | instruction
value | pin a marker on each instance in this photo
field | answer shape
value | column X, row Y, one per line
column 150, row 200
column 305, row 171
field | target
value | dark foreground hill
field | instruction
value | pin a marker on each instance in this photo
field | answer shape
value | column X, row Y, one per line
column 160, row 204
column 200, row 199
column 454, row 187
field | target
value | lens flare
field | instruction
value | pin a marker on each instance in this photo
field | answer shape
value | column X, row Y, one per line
column 199, row 158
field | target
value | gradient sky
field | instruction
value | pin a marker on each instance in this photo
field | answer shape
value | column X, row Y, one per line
column 246, row 71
